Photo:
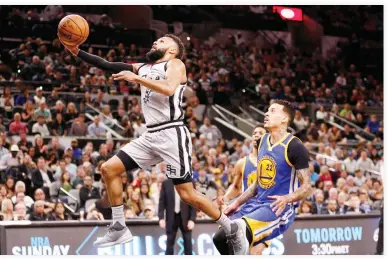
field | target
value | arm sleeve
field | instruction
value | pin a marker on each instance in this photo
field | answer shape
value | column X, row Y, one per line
column 298, row 154
column 103, row 64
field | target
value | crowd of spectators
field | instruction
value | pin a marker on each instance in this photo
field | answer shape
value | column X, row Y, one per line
column 37, row 176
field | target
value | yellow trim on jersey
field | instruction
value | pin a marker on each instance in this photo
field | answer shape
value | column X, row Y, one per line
column 254, row 225
column 277, row 143
column 261, row 140
column 286, row 151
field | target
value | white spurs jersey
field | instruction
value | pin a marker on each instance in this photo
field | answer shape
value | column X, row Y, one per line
column 158, row 108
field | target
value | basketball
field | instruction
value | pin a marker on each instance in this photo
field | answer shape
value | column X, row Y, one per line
column 73, row 30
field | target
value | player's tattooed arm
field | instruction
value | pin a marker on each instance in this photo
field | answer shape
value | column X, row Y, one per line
column 305, row 188
column 249, row 193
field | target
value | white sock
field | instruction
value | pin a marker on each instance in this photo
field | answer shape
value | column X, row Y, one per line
column 225, row 223
column 118, row 214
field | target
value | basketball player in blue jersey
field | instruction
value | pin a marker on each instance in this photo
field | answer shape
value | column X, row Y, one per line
column 162, row 82
column 245, row 172
column 268, row 205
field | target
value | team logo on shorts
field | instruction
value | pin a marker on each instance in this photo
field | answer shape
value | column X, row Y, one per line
column 266, row 169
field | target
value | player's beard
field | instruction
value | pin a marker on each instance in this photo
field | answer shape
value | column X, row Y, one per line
column 154, row 55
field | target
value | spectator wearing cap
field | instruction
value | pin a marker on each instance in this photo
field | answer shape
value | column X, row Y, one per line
column 42, row 111
column 13, row 159
column 40, row 127
column 79, row 127
column 17, row 126
column 212, row 133
column 39, row 96
column 96, row 129
column 364, row 163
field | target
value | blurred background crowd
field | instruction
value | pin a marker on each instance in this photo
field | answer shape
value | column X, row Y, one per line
column 48, row 96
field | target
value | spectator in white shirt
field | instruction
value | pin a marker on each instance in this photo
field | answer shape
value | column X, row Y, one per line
column 212, row 133
column 299, row 121
column 341, row 80
column 40, row 127
column 13, row 159
column 350, row 163
column 3, row 150
column 359, row 179
column 39, row 96
column 322, row 114
column 20, row 190
column 96, row 129
column 364, row 163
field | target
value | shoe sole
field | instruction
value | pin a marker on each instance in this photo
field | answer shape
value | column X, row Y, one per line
column 125, row 238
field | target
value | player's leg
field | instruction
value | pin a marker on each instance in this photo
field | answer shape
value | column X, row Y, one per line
column 174, row 146
column 258, row 249
column 132, row 156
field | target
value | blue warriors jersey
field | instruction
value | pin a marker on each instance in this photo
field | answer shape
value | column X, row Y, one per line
column 276, row 175
column 249, row 173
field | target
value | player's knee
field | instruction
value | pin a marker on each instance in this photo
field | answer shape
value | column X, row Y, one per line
column 106, row 169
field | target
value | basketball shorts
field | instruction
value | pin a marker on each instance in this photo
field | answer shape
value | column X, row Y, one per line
column 263, row 222
column 169, row 142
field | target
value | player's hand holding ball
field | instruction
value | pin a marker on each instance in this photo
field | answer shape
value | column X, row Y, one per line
column 73, row 30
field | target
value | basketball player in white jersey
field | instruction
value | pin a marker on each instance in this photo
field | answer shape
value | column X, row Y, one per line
column 167, row 139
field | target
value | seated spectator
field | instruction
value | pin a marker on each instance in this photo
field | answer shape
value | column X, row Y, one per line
column 40, row 127
column 365, row 203
column 38, row 214
column 319, row 205
column 65, row 165
column 348, row 134
column 332, row 208
column 59, row 212
column 43, row 112
column 59, row 108
column 79, row 179
column 28, row 112
column 39, row 195
column 64, row 184
column 20, row 211
column 41, row 149
column 306, row 208
column 13, row 159
column 79, row 127
column 6, row 98
column 322, row 114
column 7, row 210
column 23, row 97
column 71, row 112
column 96, row 129
column 20, row 191
column 325, row 175
column 88, row 191
column 354, row 206
column 299, row 121
column 17, row 127
column 10, row 186
column 206, row 186
column 39, row 96
column 58, row 126
column 373, row 124
column 42, row 177
column 77, row 152
column 364, row 163
column 212, row 133
column 135, row 203
column 23, row 143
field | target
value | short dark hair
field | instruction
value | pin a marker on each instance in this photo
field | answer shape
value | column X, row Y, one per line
column 181, row 47
column 287, row 107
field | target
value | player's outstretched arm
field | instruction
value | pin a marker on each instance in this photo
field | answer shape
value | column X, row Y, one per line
column 249, row 193
column 98, row 61
column 175, row 75
column 235, row 189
